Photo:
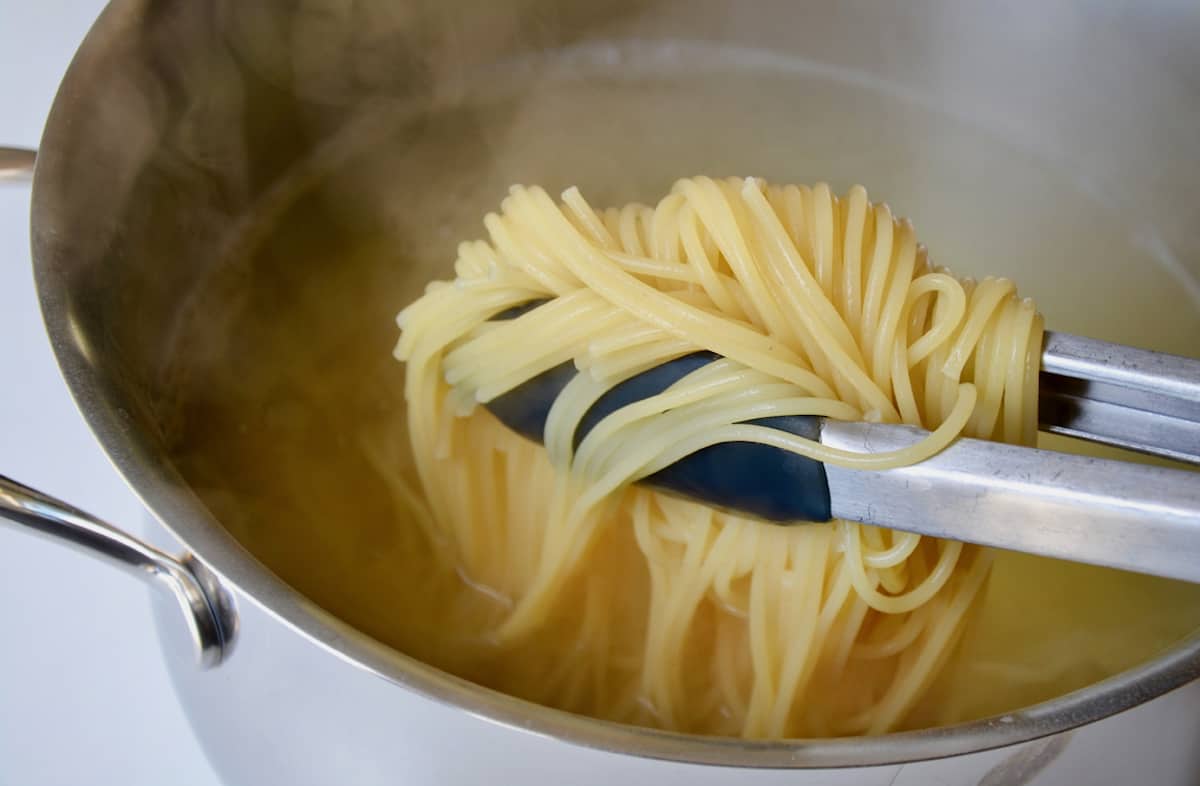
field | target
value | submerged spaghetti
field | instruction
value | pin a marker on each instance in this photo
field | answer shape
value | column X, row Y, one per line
column 620, row 602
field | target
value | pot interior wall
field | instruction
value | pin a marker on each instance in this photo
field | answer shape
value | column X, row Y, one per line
column 284, row 178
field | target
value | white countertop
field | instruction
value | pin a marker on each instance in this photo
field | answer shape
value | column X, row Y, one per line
column 84, row 696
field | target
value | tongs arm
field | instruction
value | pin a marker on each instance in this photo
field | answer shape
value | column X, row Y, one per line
column 1119, row 395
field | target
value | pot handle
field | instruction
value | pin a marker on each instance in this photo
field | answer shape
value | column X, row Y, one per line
column 207, row 610
column 16, row 163
column 208, row 615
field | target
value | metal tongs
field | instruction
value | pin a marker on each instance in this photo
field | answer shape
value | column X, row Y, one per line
column 1115, row 513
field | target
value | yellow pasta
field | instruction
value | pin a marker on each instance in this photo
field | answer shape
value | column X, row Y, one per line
column 624, row 603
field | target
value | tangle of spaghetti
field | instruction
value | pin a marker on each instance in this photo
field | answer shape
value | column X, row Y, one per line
column 624, row 603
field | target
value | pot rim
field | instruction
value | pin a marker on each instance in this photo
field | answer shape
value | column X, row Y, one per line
column 154, row 480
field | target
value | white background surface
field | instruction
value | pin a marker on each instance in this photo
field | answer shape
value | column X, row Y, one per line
column 84, row 696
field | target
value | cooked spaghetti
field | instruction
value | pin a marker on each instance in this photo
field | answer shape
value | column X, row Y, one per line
column 617, row 601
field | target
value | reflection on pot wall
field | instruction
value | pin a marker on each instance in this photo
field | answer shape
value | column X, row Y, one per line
column 315, row 723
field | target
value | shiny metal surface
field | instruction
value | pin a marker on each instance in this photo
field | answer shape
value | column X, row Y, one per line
column 1122, row 396
column 177, row 120
column 354, row 728
column 16, row 163
column 209, row 622
column 1099, row 511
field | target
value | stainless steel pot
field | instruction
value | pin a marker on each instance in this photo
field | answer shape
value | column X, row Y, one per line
column 182, row 129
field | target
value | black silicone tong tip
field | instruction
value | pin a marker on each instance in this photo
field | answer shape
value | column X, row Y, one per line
column 758, row 480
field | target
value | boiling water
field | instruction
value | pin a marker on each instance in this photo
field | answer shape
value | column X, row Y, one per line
column 290, row 406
